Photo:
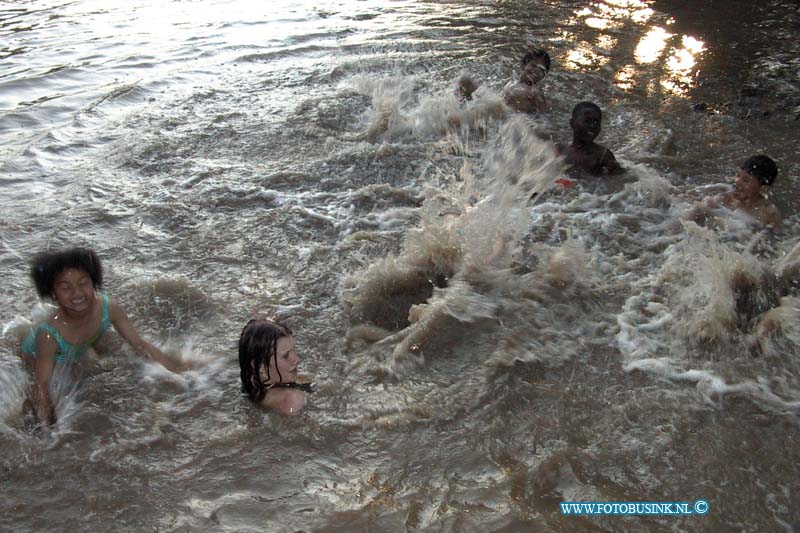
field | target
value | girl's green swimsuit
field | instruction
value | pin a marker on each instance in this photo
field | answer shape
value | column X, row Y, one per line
column 67, row 352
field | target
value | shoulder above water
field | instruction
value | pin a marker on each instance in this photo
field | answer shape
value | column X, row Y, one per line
column 287, row 402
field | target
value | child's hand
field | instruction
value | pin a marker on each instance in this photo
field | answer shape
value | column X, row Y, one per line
column 171, row 365
column 184, row 366
column 498, row 249
column 698, row 214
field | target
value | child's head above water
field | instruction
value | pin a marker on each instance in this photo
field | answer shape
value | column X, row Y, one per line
column 46, row 268
column 583, row 107
column 465, row 87
column 762, row 168
column 753, row 180
column 266, row 356
column 539, row 56
column 586, row 121
column 535, row 65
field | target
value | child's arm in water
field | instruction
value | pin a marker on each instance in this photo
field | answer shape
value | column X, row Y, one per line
column 772, row 216
column 45, row 362
column 498, row 249
column 610, row 163
column 701, row 211
column 125, row 328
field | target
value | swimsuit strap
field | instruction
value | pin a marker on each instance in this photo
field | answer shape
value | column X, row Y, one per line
column 105, row 323
column 67, row 350
column 305, row 387
column 64, row 347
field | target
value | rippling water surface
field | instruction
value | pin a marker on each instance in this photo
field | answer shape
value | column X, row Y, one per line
column 308, row 161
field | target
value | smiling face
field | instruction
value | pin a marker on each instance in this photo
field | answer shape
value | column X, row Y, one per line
column 586, row 124
column 533, row 72
column 73, row 290
column 746, row 187
column 284, row 366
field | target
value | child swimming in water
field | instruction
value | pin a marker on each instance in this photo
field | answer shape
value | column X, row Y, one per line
column 523, row 95
column 269, row 367
column 585, row 155
column 750, row 192
column 72, row 280
column 465, row 87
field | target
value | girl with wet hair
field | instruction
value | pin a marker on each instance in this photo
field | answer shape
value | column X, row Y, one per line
column 72, row 279
column 269, row 367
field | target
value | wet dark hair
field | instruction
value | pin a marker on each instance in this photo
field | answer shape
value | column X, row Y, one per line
column 46, row 267
column 585, row 105
column 761, row 167
column 258, row 343
column 537, row 54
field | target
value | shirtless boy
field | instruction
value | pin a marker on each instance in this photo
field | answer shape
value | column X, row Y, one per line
column 583, row 154
column 750, row 191
column 523, row 95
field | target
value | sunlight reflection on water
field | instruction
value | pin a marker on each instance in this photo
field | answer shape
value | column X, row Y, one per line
column 678, row 76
